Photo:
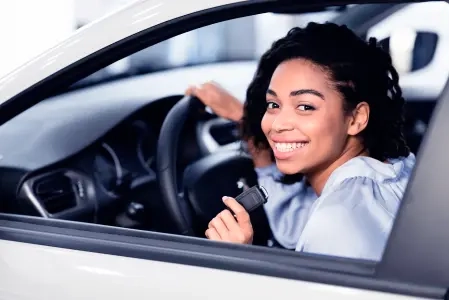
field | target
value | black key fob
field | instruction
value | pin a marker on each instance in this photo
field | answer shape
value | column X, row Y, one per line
column 252, row 198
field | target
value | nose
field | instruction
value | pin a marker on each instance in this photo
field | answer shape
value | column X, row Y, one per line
column 284, row 121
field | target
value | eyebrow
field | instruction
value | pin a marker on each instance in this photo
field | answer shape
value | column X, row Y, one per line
column 299, row 92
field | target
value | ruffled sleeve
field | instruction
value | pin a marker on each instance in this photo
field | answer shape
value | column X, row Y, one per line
column 288, row 206
column 354, row 220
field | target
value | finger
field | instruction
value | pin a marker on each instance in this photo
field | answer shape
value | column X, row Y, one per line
column 189, row 91
column 240, row 213
column 214, row 84
column 201, row 94
column 195, row 89
column 212, row 234
column 211, row 89
column 218, row 224
column 208, row 84
column 229, row 220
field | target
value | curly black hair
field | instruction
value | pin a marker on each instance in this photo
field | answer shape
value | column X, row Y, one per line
column 360, row 71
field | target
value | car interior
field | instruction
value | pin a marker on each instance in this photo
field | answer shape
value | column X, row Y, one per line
column 134, row 152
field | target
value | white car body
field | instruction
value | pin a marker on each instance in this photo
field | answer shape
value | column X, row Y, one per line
column 69, row 274
column 39, row 272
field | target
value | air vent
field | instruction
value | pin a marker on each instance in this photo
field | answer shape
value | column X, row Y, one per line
column 55, row 192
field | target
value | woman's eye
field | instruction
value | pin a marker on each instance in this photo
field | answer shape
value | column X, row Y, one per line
column 271, row 105
column 306, row 107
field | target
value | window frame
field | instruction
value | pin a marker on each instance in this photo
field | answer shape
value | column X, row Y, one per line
column 397, row 272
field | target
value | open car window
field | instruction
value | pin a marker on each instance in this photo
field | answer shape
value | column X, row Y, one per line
column 89, row 180
column 241, row 39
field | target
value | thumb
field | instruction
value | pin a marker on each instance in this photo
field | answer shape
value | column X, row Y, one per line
column 240, row 213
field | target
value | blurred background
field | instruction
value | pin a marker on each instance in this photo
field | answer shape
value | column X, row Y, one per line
column 28, row 27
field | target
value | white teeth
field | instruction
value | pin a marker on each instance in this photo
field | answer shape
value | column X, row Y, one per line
column 288, row 147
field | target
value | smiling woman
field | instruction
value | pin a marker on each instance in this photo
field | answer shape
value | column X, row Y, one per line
column 336, row 117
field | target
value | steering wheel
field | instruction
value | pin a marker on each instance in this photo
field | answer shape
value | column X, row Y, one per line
column 197, row 200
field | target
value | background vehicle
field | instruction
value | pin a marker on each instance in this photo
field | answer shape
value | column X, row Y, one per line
column 85, row 157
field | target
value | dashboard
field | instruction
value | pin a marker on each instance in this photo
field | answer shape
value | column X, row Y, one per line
column 111, row 179
column 92, row 165
column 90, row 155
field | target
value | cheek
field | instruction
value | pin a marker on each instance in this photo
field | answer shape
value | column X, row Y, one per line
column 312, row 126
column 322, row 127
column 330, row 128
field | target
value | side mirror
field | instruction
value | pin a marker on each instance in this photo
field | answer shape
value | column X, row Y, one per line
column 410, row 50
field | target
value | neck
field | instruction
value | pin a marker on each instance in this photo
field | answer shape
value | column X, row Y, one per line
column 319, row 178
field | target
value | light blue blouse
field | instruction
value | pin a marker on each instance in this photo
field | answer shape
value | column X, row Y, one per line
column 353, row 216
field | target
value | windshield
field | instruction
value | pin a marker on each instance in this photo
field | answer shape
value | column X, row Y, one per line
column 242, row 39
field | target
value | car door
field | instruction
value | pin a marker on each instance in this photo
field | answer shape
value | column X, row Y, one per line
column 55, row 259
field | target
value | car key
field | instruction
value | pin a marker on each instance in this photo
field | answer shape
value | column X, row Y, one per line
column 253, row 198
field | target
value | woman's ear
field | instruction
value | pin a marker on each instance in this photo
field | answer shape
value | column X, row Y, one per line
column 359, row 120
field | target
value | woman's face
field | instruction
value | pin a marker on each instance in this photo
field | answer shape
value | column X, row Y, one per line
column 304, row 122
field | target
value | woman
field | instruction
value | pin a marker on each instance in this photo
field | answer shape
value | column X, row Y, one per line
column 291, row 199
column 329, row 106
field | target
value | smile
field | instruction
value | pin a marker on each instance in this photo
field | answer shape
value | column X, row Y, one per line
column 288, row 147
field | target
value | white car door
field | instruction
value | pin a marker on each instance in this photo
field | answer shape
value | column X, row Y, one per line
column 63, row 260
column 43, row 258
column 39, row 272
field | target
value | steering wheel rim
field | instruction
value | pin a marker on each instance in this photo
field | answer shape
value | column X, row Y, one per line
column 167, row 148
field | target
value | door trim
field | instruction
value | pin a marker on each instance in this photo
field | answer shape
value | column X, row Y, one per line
column 204, row 253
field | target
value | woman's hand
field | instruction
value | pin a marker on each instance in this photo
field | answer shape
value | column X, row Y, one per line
column 225, row 227
column 218, row 99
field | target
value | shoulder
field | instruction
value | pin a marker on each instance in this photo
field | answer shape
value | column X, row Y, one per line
column 363, row 195
column 393, row 174
column 353, row 220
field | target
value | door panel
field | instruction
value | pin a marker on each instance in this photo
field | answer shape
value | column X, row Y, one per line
column 40, row 272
